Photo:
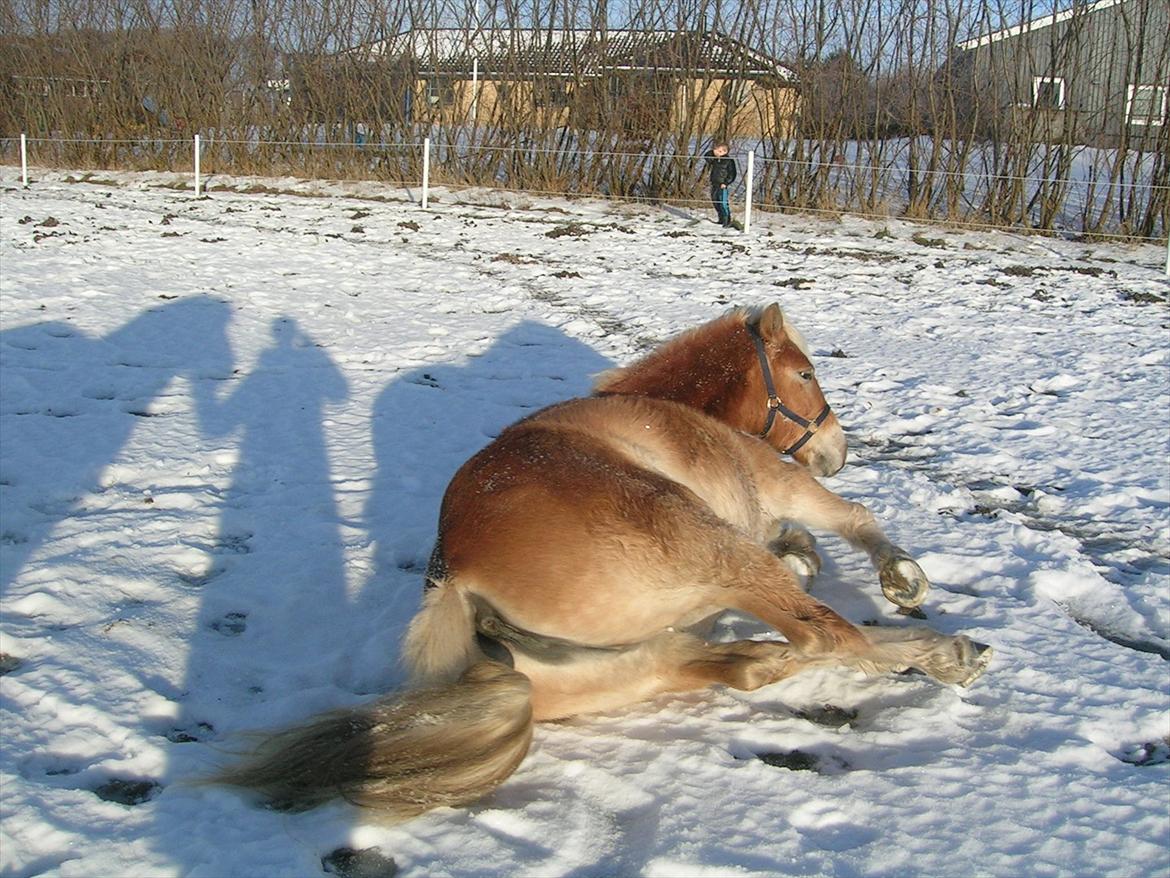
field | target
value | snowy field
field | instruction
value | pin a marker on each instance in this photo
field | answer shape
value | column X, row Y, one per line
column 226, row 425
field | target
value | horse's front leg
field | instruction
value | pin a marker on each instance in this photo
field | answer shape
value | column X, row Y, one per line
column 796, row 547
column 789, row 491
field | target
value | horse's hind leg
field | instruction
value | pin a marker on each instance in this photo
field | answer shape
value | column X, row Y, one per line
column 948, row 659
column 749, row 664
column 597, row 681
column 755, row 581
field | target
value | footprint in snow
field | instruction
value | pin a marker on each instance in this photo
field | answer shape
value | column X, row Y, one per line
column 230, row 624
column 198, row 580
column 127, row 792
column 828, row 715
column 367, row 863
column 233, row 544
column 187, row 734
column 799, row 760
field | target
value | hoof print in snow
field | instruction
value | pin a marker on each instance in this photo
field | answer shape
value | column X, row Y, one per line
column 9, row 663
column 231, row 624
column 368, row 863
column 189, row 734
column 198, row 580
column 798, row 760
column 233, row 544
column 828, row 715
column 1149, row 753
column 127, row 792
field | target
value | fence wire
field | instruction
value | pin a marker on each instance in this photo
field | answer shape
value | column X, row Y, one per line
column 967, row 197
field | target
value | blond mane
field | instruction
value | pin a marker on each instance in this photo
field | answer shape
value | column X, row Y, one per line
column 666, row 361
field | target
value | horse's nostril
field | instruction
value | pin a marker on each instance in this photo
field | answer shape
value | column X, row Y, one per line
column 827, row 464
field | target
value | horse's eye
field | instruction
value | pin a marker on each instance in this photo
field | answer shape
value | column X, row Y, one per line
column 806, row 375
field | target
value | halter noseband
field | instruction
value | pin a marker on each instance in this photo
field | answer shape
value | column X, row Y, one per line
column 775, row 405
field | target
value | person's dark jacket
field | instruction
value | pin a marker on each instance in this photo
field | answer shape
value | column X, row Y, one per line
column 723, row 170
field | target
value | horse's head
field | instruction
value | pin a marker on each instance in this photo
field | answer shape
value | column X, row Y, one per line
column 798, row 421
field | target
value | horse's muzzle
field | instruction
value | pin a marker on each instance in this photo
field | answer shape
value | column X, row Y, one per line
column 825, row 454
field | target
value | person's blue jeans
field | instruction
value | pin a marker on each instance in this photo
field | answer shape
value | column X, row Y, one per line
column 722, row 202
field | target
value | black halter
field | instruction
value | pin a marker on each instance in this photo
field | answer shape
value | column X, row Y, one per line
column 775, row 405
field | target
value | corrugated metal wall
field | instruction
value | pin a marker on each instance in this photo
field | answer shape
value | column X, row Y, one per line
column 1092, row 58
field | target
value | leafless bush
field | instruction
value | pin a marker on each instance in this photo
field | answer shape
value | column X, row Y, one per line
column 889, row 117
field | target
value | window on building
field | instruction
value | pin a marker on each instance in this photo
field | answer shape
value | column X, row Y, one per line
column 1147, row 104
column 440, row 92
column 33, row 86
column 1048, row 92
column 550, row 93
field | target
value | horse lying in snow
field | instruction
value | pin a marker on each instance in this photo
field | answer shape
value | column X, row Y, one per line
column 578, row 553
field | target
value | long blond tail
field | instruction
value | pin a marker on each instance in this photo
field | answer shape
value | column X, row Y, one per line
column 444, row 745
column 449, row 743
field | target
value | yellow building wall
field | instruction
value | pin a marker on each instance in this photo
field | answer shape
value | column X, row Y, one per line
column 491, row 102
column 762, row 112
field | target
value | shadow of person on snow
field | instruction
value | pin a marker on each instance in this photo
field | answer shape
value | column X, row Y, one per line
column 71, row 402
column 272, row 628
column 275, row 568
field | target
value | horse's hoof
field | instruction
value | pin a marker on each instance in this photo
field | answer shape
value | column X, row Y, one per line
column 903, row 582
column 803, row 564
column 797, row 549
column 980, row 658
column 959, row 660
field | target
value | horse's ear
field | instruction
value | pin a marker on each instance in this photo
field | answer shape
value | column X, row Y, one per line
column 772, row 322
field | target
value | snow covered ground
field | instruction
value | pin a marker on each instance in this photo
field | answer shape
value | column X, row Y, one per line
column 226, row 425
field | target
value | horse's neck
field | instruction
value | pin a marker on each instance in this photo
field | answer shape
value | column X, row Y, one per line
column 706, row 374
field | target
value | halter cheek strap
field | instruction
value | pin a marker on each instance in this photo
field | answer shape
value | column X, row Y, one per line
column 776, row 405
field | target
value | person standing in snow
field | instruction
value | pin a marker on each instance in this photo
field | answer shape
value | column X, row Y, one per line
column 723, row 171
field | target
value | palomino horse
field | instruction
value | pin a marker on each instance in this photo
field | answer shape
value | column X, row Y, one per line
column 577, row 549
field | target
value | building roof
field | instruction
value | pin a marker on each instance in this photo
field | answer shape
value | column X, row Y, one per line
column 1080, row 7
column 572, row 52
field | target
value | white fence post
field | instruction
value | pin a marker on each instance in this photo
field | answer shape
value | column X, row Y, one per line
column 474, row 91
column 426, row 183
column 197, row 151
column 747, row 203
column 24, row 159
